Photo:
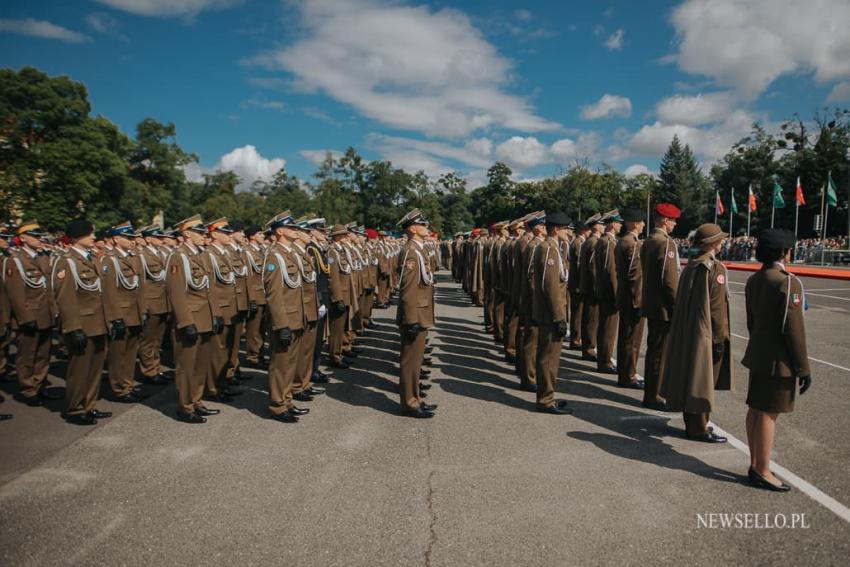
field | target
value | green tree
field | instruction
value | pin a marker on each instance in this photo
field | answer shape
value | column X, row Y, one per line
column 494, row 202
column 681, row 182
column 454, row 203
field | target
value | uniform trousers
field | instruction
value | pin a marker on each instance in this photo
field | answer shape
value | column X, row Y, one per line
column 254, row 335
column 589, row 323
column 576, row 304
column 410, row 364
column 121, row 361
column 657, row 330
column 383, row 290
column 82, row 377
column 283, row 367
column 498, row 315
column 32, row 360
column 510, row 329
column 217, row 363
column 338, row 329
column 233, row 340
column 528, row 367
column 629, row 337
column 150, row 344
column 191, row 364
column 548, row 362
column 606, row 334
column 318, row 342
column 366, row 306
column 304, row 370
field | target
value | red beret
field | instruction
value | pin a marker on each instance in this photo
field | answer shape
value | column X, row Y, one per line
column 371, row 233
column 668, row 210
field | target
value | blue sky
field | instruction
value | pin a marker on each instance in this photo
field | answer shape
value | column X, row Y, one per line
column 441, row 86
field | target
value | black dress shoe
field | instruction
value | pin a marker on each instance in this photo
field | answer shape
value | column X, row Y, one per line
column 588, row 356
column 419, row 412
column 424, row 372
column 425, row 386
column 607, row 369
column 299, row 411
column 633, row 384
column 303, row 396
column 190, row 417
column 5, row 416
column 708, row 437
column 558, row 408
column 158, row 379
column 82, row 419
column 232, row 390
column 221, row 398
column 510, row 358
column 760, row 482
column 427, row 361
column 429, row 350
column 131, row 398
column 660, row 405
column 342, row 364
column 422, row 393
column 286, row 417
column 202, row 410
column 46, row 394
column 315, row 391
column 320, row 378
column 427, row 406
column 529, row 387
column 97, row 414
column 349, row 354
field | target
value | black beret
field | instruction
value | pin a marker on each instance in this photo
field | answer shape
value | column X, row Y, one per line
column 252, row 230
column 237, row 225
column 777, row 238
column 633, row 215
column 558, row 219
column 78, row 228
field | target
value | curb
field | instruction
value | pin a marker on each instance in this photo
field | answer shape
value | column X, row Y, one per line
column 803, row 271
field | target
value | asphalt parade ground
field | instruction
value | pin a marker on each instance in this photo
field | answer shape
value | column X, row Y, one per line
column 487, row 482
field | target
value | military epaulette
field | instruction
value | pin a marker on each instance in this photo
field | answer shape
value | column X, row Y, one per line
column 320, row 261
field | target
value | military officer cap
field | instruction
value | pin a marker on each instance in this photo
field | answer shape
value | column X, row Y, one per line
column 252, row 230
column 316, row 223
column 535, row 218
column 78, row 228
column 777, row 238
column 413, row 217
column 357, row 230
column 371, row 233
column 30, row 227
column 237, row 226
column 194, row 223
column 595, row 219
column 338, row 230
column 170, row 233
column 612, row 216
column 668, row 210
column 558, row 218
column 124, row 229
column 152, row 230
column 283, row 219
column 101, row 233
column 220, row 224
column 633, row 215
column 708, row 233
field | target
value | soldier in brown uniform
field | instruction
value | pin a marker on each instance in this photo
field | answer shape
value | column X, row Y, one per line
column 776, row 353
column 6, row 234
column 697, row 358
column 587, row 273
column 317, row 253
column 196, row 319
column 26, row 277
column 153, row 257
column 415, row 314
column 606, row 293
column 510, row 285
column 384, row 270
column 124, row 304
column 341, row 294
column 223, row 291
column 629, row 291
column 497, row 291
column 244, row 305
column 574, row 286
column 550, row 271
column 254, row 251
column 283, row 283
column 516, row 285
column 659, row 260
column 303, row 388
column 78, row 290
column 527, row 347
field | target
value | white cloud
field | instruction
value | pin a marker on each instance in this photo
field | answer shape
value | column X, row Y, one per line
column 316, row 157
column 475, row 153
column 615, row 40
column 839, row 93
column 106, row 25
column 695, row 110
column 523, row 15
column 168, row 8
column 42, row 29
column 608, row 106
column 246, row 162
column 522, row 153
column 407, row 67
column 637, row 169
column 746, row 45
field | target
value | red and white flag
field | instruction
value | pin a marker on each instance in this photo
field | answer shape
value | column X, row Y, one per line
column 798, row 194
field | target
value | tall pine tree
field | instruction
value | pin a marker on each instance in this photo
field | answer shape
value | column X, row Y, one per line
column 682, row 183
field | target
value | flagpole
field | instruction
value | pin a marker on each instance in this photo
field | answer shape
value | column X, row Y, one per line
column 773, row 207
column 749, row 209
column 796, row 216
column 731, row 208
column 823, row 216
column 716, row 198
column 648, row 216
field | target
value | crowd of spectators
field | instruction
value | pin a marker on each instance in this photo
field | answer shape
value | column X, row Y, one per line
column 808, row 250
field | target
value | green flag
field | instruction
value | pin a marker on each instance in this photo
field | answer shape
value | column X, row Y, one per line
column 778, row 201
column 831, row 195
column 733, row 205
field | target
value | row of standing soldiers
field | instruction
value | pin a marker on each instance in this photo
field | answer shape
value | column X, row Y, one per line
column 114, row 297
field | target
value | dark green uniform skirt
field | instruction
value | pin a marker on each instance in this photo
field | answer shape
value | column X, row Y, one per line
column 771, row 394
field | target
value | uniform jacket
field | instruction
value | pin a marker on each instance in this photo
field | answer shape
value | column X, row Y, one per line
column 700, row 320
column 416, row 294
column 78, row 289
column 188, row 276
column 122, row 287
column 283, row 283
column 659, row 258
column 629, row 272
column 341, row 274
column 550, row 273
column 253, row 255
column 318, row 257
column 575, row 263
column 587, row 269
column 26, row 278
column 309, row 278
column 222, row 283
column 605, row 282
column 775, row 304
column 154, row 292
column 240, row 268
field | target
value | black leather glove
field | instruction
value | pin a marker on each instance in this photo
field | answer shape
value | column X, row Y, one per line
column 252, row 308
column 117, row 329
column 285, row 336
column 218, row 324
column 190, row 332
column 78, row 341
column 805, row 383
column 561, row 328
column 369, row 290
column 28, row 327
column 413, row 330
column 339, row 306
column 717, row 350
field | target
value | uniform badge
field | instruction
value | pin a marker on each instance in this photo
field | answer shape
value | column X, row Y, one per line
column 330, row 261
column 410, row 264
column 174, row 269
column 270, row 267
column 670, row 254
column 795, row 299
column 105, row 269
column 9, row 272
column 721, row 279
column 60, row 274
column 550, row 262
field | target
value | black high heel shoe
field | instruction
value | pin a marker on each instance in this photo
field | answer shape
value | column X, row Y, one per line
column 759, row 481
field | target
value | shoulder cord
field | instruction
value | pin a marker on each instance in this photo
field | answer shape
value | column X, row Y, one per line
column 344, row 270
column 217, row 271
column 311, row 278
column 425, row 276
column 257, row 269
column 289, row 282
column 357, row 265
column 120, row 280
column 190, row 282
column 320, row 262
column 38, row 283
column 80, row 284
column 150, row 275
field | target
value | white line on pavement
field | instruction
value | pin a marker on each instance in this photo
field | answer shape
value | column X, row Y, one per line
column 803, row 486
column 844, row 368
